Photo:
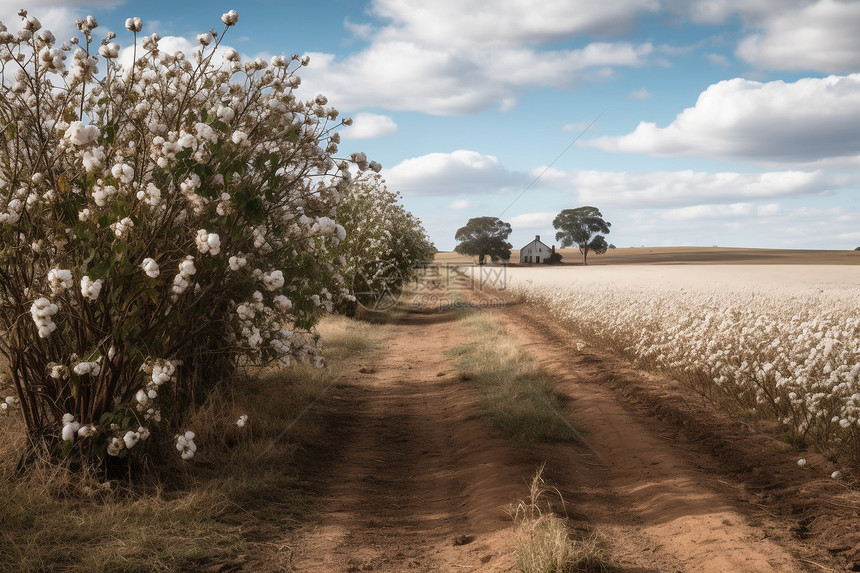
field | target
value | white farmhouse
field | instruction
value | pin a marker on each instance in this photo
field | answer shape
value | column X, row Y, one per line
column 535, row 252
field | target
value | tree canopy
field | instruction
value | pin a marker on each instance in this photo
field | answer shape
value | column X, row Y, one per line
column 483, row 237
column 583, row 227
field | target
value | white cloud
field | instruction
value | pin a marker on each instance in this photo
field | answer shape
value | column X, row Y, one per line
column 541, row 220
column 730, row 211
column 674, row 188
column 460, row 204
column 404, row 75
column 641, row 93
column 447, row 23
column 821, row 37
column 768, row 225
column 369, row 126
column 461, row 172
column 718, row 11
column 804, row 121
column 718, row 59
column 57, row 17
column 451, row 58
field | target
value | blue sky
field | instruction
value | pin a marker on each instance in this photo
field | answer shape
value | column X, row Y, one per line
column 712, row 122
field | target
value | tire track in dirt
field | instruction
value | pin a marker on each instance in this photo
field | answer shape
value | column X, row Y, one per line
column 412, row 479
column 651, row 496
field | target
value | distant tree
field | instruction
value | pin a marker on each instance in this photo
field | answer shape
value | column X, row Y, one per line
column 553, row 259
column 611, row 246
column 483, row 237
column 582, row 227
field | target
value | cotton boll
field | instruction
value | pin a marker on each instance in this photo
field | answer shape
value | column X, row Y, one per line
column 115, row 447
column 130, row 439
column 69, row 431
column 150, row 267
column 133, row 24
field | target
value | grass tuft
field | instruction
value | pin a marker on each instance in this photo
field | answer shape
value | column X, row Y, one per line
column 516, row 396
column 544, row 543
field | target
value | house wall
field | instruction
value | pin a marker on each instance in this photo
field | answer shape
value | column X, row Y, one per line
column 535, row 252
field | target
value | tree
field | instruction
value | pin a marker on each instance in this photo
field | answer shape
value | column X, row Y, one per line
column 484, row 236
column 582, row 227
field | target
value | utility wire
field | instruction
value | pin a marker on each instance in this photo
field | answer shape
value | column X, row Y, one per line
column 545, row 169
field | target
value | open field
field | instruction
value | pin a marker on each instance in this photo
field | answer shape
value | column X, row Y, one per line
column 775, row 343
column 689, row 255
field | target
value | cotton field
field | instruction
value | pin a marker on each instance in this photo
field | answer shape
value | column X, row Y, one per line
column 778, row 342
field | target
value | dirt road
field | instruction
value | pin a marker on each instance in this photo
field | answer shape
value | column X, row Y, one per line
column 413, row 479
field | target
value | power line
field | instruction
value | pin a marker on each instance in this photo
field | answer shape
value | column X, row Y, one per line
column 535, row 180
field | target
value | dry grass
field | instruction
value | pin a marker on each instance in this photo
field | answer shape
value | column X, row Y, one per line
column 544, row 543
column 209, row 514
column 516, row 396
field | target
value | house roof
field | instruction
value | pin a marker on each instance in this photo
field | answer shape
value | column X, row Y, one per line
column 535, row 241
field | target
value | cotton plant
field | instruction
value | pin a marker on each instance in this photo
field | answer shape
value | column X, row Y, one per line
column 789, row 356
column 382, row 244
column 160, row 221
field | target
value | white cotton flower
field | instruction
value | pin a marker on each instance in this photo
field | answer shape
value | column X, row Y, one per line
column 115, row 447
column 239, row 137
column 208, row 242
column 273, row 280
column 185, row 445
column 42, row 310
column 243, row 419
column 80, row 134
column 801, row 462
column 186, row 267
column 84, row 368
column 59, row 372
column 109, row 51
column 237, row 262
column 230, row 18
column 283, row 302
column 124, row 172
column 130, row 439
column 151, row 195
column 93, row 159
column 150, row 267
column 60, row 280
column 225, row 113
column 86, row 431
column 90, row 289
column 836, row 475
column 70, row 430
column 122, row 227
column 134, row 24
column 67, row 419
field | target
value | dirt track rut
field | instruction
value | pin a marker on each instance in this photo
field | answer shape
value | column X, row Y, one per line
column 413, row 479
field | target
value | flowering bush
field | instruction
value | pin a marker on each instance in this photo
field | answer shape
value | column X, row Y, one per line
column 160, row 219
column 383, row 244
